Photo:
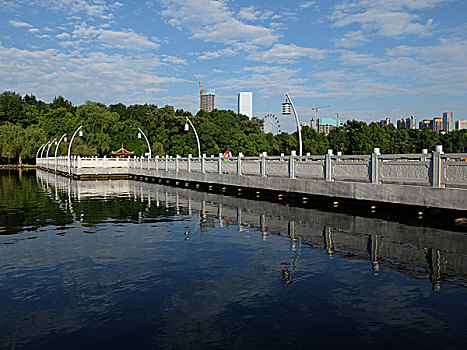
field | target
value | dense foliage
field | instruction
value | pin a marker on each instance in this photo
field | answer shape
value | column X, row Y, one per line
column 26, row 123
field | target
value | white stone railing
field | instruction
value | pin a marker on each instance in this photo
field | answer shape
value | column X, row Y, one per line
column 436, row 169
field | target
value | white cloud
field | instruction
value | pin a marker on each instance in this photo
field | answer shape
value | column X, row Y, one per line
column 92, row 8
column 19, row 24
column 33, row 30
column 307, row 4
column 351, row 39
column 123, row 39
column 95, row 76
column 63, row 36
column 281, row 53
column 173, row 60
column 215, row 70
column 213, row 21
column 209, row 55
column 126, row 40
column 386, row 18
column 251, row 14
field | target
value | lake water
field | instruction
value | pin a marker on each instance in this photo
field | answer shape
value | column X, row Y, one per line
column 125, row 264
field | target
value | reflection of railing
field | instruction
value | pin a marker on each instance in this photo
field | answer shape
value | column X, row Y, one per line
column 436, row 169
column 416, row 251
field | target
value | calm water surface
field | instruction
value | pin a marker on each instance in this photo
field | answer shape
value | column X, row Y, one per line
column 120, row 264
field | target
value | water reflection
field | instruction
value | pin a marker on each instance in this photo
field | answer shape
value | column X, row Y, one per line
column 420, row 252
column 119, row 264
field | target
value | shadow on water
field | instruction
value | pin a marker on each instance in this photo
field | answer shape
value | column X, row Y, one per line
column 119, row 263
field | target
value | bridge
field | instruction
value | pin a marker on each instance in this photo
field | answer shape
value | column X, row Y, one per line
column 435, row 180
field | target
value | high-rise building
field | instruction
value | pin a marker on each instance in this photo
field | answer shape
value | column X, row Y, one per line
column 245, row 104
column 206, row 99
column 448, row 122
column 425, row 123
column 384, row 122
column 407, row 123
column 461, row 124
column 436, row 124
column 411, row 122
column 326, row 124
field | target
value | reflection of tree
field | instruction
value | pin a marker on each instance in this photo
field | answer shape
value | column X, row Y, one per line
column 24, row 204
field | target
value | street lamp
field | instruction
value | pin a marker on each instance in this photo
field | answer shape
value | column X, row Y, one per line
column 69, row 147
column 38, row 151
column 48, row 149
column 187, row 128
column 56, row 148
column 43, row 149
column 141, row 133
column 286, row 111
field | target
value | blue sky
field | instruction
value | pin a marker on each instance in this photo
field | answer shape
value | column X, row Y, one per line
column 367, row 59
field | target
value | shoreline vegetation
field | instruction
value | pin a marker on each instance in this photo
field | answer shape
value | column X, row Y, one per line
column 26, row 123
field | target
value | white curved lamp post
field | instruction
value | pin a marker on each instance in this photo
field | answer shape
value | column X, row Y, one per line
column 149, row 146
column 38, row 151
column 56, row 148
column 48, row 149
column 69, row 147
column 286, row 111
column 43, row 149
column 196, row 134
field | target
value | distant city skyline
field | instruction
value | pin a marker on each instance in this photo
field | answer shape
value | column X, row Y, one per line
column 368, row 60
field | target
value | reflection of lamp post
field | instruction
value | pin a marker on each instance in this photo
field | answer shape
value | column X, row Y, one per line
column 69, row 147
column 149, row 146
column 286, row 111
column 188, row 121
column 56, row 149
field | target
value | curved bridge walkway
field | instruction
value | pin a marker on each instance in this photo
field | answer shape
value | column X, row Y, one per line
column 434, row 180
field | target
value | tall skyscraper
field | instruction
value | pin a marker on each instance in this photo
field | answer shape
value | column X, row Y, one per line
column 245, row 104
column 437, row 124
column 425, row 123
column 448, row 122
column 461, row 124
column 206, row 99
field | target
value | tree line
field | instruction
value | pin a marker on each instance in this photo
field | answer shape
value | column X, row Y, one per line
column 26, row 123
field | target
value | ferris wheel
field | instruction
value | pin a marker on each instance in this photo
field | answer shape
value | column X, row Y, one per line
column 271, row 124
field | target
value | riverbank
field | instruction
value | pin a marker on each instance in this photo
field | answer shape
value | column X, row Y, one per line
column 17, row 166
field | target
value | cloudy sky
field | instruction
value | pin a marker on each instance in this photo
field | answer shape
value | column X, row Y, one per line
column 367, row 59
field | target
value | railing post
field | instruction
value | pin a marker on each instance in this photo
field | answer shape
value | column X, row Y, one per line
column 292, row 164
column 188, row 166
column 239, row 163
column 166, row 162
column 176, row 163
column 263, row 164
column 424, row 153
column 328, row 166
column 203, row 163
column 374, row 166
column 156, row 163
column 219, row 164
column 436, row 167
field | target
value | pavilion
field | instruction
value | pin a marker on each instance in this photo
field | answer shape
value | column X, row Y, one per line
column 122, row 153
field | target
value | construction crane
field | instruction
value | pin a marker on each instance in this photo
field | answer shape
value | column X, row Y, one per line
column 317, row 120
column 338, row 114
